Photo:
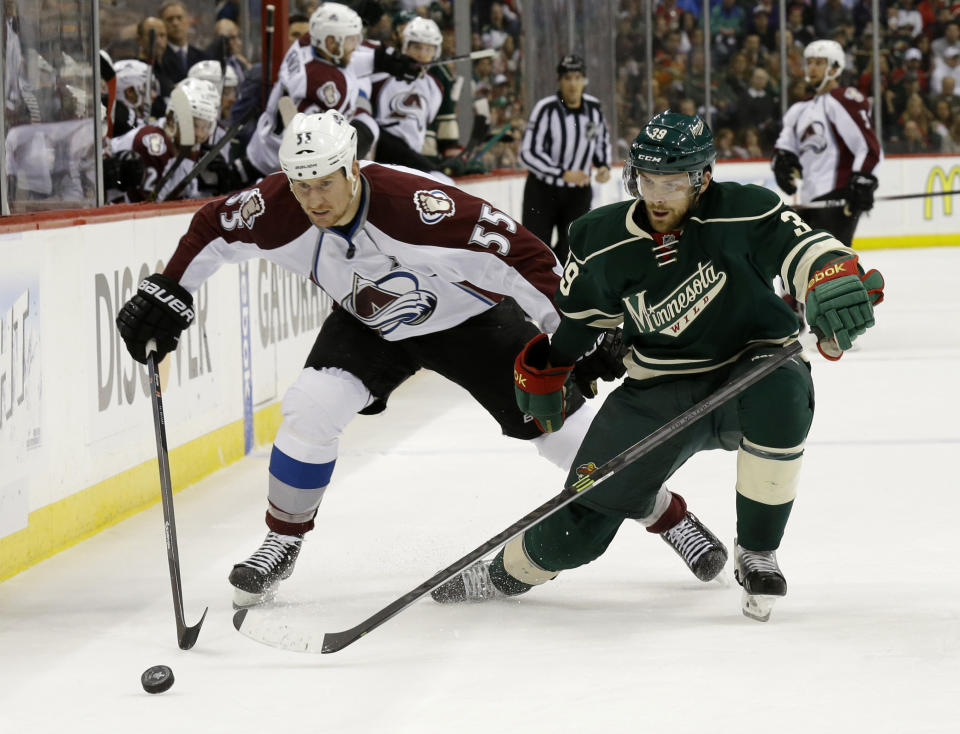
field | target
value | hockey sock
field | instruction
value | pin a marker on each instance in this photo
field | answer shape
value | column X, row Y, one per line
column 760, row 527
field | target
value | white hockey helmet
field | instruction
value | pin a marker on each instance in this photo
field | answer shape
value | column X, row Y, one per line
column 213, row 72
column 317, row 145
column 193, row 99
column 422, row 30
column 132, row 74
column 829, row 50
column 336, row 21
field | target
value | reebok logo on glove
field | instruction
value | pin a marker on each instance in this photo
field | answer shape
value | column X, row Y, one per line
column 169, row 299
column 833, row 270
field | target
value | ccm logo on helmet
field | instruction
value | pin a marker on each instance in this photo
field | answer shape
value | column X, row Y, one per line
column 651, row 158
column 161, row 295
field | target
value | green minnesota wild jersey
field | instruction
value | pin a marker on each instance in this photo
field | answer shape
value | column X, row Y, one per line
column 695, row 302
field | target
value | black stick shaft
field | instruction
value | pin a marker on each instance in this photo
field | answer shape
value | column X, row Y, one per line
column 169, row 174
column 837, row 203
column 267, row 65
column 186, row 636
column 334, row 641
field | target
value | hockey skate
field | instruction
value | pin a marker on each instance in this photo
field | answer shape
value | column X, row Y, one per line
column 700, row 549
column 473, row 584
column 256, row 579
column 763, row 583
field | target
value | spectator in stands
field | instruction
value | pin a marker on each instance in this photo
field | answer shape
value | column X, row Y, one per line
column 830, row 15
column 727, row 25
column 671, row 12
column 761, row 27
column 723, row 141
column 153, row 56
column 756, row 105
column 670, row 64
column 249, row 103
column 912, row 140
column 228, row 45
column 908, row 21
column 912, row 59
column 754, row 51
column 750, row 143
column 949, row 68
column 944, row 120
column 179, row 55
column 950, row 39
column 916, row 111
column 801, row 31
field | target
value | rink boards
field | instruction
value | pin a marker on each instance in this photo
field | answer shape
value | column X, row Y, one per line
column 76, row 433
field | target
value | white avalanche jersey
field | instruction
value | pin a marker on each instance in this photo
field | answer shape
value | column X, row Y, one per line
column 832, row 136
column 314, row 85
column 420, row 257
column 406, row 109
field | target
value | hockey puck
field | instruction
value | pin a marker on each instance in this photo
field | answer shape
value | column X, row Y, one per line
column 157, row 679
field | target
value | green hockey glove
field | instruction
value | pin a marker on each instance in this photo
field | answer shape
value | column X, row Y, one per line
column 538, row 386
column 840, row 304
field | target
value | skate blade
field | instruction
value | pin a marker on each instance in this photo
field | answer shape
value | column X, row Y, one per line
column 245, row 599
column 758, row 606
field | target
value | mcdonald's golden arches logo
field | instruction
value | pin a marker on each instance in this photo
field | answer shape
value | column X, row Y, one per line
column 948, row 182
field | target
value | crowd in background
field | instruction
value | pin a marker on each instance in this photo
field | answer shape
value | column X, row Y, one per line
column 920, row 64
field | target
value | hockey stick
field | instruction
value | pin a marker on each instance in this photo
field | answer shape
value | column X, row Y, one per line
column 186, row 636
column 836, row 203
column 168, row 175
column 267, row 65
column 258, row 625
column 473, row 56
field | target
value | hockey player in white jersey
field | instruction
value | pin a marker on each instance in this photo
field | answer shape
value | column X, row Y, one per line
column 314, row 77
column 192, row 113
column 829, row 142
column 225, row 79
column 133, row 77
column 424, row 276
column 406, row 109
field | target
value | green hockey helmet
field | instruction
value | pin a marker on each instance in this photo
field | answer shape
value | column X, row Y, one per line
column 670, row 143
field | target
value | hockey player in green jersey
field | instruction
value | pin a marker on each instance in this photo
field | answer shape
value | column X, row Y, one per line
column 686, row 267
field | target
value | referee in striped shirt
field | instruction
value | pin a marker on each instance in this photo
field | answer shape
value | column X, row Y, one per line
column 565, row 136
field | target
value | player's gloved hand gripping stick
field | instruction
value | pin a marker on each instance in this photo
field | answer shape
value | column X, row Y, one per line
column 539, row 387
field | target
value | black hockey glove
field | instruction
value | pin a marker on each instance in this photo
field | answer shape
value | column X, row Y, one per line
column 370, row 11
column 860, row 190
column 605, row 363
column 786, row 166
column 123, row 171
column 160, row 309
column 220, row 177
column 403, row 67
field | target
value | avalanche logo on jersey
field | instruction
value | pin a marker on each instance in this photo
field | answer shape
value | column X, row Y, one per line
column 433, row 205
column 814, row 138
column 408, row 104
column 329, row 94
column 155, row 144
column 672, row 315
column 390, row 302
column 251, row 207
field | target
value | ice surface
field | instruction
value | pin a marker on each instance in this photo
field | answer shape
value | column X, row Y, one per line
column 867, row 640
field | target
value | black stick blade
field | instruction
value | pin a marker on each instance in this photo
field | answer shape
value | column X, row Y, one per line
column 188, row 637
column 336, row 641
